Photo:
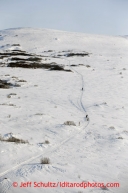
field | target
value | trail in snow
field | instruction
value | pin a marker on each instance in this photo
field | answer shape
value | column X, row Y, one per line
column 82, row 87
column 82, row 90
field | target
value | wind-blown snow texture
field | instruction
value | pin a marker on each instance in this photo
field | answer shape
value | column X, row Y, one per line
column 91, row 151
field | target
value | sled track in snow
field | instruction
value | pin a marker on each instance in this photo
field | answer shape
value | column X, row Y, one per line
column 8, row 184
column 82, row 80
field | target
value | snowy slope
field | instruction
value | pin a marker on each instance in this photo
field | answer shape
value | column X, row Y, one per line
column 91, row 151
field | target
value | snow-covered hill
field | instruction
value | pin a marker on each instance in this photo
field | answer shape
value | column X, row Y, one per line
column 47, row 78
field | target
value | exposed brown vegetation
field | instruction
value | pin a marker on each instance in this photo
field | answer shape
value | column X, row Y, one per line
column 45, row 160
column 77, row 54
column 70, row 123
column 13, row 139
column 5, row 85
column 15, row 44
column 46, row 142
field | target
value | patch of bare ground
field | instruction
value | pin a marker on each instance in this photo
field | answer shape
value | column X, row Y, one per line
column 4, row 84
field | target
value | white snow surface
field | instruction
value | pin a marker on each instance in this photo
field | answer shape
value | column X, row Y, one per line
column 92, row 151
